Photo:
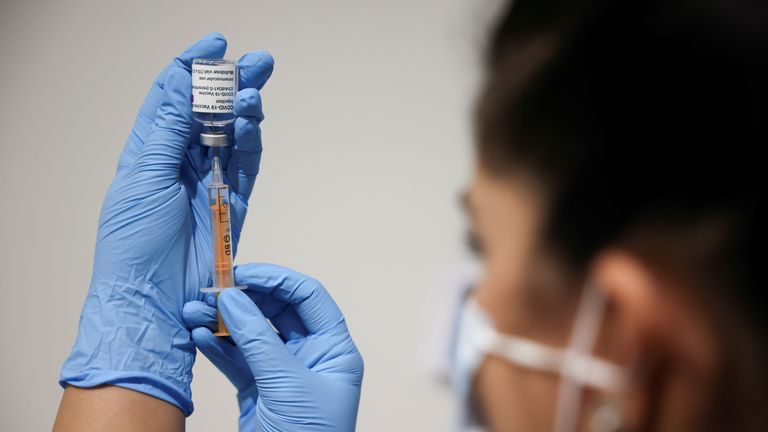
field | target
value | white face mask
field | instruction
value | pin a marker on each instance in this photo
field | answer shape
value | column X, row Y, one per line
column 477, row 338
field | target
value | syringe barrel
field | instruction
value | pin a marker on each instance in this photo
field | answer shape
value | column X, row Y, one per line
column 221, row 241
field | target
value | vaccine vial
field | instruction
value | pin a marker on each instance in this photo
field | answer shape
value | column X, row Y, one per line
column 214, row 85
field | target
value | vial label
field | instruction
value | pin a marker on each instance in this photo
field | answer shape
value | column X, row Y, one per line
column 213, row 88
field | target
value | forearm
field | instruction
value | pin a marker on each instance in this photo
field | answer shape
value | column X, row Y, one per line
column 115, row 409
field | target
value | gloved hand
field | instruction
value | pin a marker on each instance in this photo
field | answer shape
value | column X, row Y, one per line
column 153, row 247
column 307, row 377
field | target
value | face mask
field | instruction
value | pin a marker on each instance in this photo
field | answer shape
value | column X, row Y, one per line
column 477, row 338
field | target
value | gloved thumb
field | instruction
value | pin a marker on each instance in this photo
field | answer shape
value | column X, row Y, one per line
column 269, row 359
column 201, row 318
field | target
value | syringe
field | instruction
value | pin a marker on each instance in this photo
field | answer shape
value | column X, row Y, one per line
column 214, row 85
column 221, row 233
column 218, row 200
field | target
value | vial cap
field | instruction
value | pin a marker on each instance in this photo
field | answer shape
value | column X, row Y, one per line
column 214, row 139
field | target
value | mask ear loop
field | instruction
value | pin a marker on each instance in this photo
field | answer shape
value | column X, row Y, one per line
column 589, row 317
column 574, row 363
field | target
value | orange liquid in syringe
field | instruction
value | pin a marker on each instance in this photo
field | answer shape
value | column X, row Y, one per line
column 223, row 276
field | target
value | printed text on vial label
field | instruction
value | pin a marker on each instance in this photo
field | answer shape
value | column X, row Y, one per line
column 213, row 88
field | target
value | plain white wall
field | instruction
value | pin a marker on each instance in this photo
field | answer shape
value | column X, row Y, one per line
column 367, row 144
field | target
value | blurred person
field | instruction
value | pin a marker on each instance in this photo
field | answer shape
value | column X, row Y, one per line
column 614, row 208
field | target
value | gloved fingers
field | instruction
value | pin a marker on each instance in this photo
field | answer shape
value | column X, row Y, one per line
column 268, row 305
column 173, row 130
column 211, row 46
column 289, row 324
column 200, row 162
column 257, row 298
column 196, row 164
column 225, row 356
column 161, row 157
column 281, row 314
column 254, row 69
column 248, row 104
column 244, row 163
column 198, row 314
column 268, row 357
column 310, row 300
column 203, row 314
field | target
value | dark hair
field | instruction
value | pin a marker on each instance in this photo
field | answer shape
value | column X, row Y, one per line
column 642, row 120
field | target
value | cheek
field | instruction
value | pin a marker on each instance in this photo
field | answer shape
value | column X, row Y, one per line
column 501, row 291
column 507, row 259
column 498, row 283
column 503, row 288
column 508, row 397
column 512, row 399
column 522, row 302
column 504, row 273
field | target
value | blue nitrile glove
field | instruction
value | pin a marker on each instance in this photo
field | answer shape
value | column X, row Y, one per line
column 307, row 377
column 153, row 247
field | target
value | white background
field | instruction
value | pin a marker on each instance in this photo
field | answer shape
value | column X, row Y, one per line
column 367, row 143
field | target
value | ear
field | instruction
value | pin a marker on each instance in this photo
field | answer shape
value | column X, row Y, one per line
column 657, row 329
column 659, row 313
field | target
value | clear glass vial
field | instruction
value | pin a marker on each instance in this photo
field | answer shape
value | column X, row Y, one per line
column 214, row 86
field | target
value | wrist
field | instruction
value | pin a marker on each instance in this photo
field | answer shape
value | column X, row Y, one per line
column 126, row 339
